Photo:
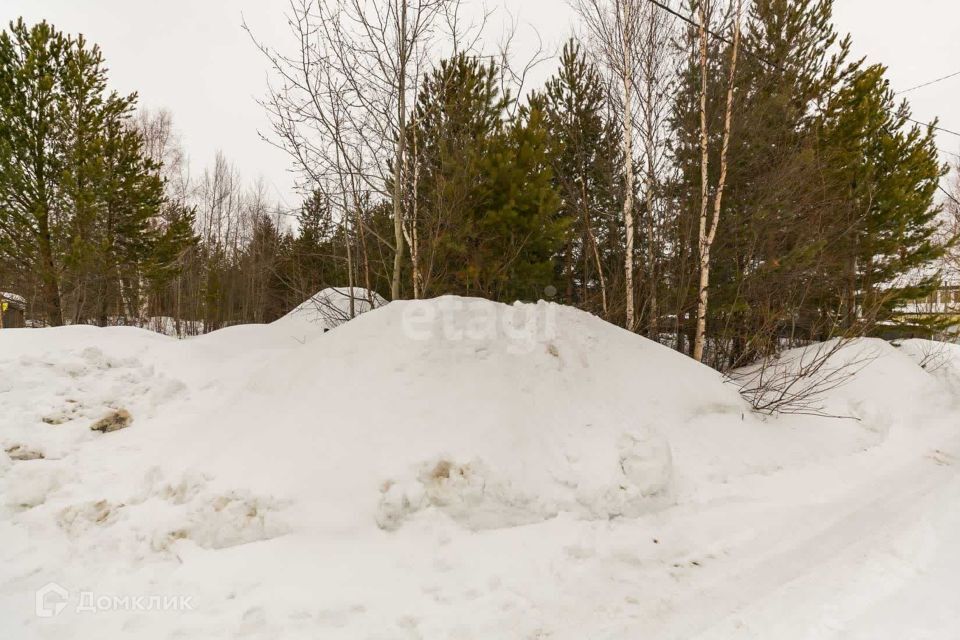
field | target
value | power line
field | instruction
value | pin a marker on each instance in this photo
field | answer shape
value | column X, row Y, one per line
column 726, row 40
column 948, row 194
column 936, row 128
column 774, row 65
column 927, row 84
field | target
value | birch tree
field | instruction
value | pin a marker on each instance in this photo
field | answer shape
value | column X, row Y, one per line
column 657, row 77
column 708, row 228
column 344, row 95
column 614, row 30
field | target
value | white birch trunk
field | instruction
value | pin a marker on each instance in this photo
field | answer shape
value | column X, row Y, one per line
column 708, row 236
column 628, row 160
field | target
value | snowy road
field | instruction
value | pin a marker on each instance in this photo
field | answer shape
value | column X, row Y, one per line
column 855, row 566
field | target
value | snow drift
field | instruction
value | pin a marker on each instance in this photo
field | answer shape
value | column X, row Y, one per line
column 333, row 306
column 496, row 415
column 451, row 468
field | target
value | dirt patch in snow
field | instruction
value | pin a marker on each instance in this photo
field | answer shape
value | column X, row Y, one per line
column 469, row 493
column 113, row 421
column 638, row 480
column 210, row 519
column 21, row 452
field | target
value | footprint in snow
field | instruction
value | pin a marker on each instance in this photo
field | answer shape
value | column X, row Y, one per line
column 941, row 458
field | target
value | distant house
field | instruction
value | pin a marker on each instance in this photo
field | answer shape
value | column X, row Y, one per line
column 12, row 311
column 941, row 307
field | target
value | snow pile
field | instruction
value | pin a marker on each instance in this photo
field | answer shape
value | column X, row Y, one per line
column 493, row 415
column 456, row 468
column 496, row 415
column 54, row 398
column 940, row 359
column 324, row 311
column 331, row 307
column 839, row 379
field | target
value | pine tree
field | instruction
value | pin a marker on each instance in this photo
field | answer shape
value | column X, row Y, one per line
column 175, row 238
column 514, row 234
column 81, row 111
column 132, row 194
column 80, row 199
column 32, row 224
column 887, row 175
column 586, row 159
column 769, row 270
column 486, row 202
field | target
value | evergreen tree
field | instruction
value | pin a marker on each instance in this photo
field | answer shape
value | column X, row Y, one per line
column 80, row 201
column 264, row 258
column 586, row 160
column 131, row 196
column 313, row 265
column 174, row 240
column 81, row 112
column 514, row 234
column 485, row 199
column 32, row 220
column 769, row 262
column 887, row 174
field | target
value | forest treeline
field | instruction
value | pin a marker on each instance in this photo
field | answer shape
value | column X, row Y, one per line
column 724, row 177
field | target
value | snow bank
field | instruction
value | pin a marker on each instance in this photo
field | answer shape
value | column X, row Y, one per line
column 325, row 310
column 331, row 307
column 450, row 468
column 495, row 415
column 939, row 359
column 864, row 379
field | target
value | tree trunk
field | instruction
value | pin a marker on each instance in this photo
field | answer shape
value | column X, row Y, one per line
column 628, row 161
column 400, row 154
column 51, row 284
column 703, row 250
column 398, row 209
column 706, row 237
column 596, row 252
column 412, row 236
column 366, row 258
column 649, row 143
column 350, row 281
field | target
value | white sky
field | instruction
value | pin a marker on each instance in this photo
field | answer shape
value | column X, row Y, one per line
column 192, row 57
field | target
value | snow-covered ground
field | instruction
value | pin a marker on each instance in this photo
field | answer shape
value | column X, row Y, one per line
column 466, row 470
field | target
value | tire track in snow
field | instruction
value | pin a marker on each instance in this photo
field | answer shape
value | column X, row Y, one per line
column 895, row 501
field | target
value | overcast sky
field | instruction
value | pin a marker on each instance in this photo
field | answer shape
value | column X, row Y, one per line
column 193, row 58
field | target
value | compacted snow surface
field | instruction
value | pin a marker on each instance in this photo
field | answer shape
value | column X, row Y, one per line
column 461, row 469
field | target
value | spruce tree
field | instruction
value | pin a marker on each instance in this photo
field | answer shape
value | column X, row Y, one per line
column 313, row 264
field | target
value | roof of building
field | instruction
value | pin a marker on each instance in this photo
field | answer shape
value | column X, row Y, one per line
column 13, row 299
